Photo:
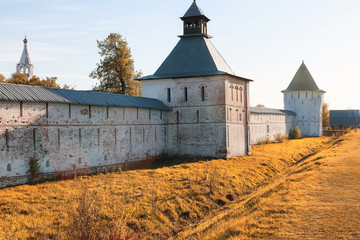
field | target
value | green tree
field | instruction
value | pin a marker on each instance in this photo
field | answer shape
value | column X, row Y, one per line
column 116, row 71
column 326, row 115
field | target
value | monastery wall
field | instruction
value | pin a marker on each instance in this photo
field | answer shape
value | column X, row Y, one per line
column 266, row 125
column 67, row 138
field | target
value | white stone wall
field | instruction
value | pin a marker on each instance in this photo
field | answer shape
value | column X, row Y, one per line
column 308, row 107
column 264, row 126
column 197, row 119
column 67, row 137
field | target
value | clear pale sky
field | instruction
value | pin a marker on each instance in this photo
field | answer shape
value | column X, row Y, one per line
column 260, row 39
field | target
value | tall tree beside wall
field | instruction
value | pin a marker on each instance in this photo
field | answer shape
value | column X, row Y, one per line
column 116, row 71
column 326, row 115
column 2, row 78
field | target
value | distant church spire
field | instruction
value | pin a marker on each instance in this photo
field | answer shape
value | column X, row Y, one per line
column 25, row 66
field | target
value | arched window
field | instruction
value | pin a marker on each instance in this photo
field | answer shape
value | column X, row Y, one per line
column 185, row 94
column 237, row 93
column 232, row 92
column 241, row 94
column 9, row 167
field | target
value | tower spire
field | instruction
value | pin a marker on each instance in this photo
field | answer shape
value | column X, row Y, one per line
column 24, row 66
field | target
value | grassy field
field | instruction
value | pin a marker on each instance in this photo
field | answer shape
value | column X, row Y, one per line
column 192, row 200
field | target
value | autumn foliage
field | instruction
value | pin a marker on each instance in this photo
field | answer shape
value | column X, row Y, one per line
column 19, row 78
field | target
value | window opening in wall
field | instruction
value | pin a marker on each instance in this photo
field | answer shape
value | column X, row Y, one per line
column 58, row 143
column 149, row 113
column 237, row 115
column 34, row 138
column 90, row 116
column 177, row 117
column 80, row 137
column 161, row 114
column 47, row 110
column 21, row 109
column 237, row 93
column 232, row 92
column 241, row 94
column 7, row 138
column 240, row 117
column 98, row 136
column 9, row 167
column 306, row 95
column 143, row 133
column 197, row 116
column 107, row 112
column 185, row 94
column 267, row 129
column 230, row 113
column 202, row 93
column 47, row 163
column 70, row 110
column 298, row 94
column 115, row 137
column 137, row 113
column 168, row 95
column 228, row 137
column 155, row 134
column 227, row 113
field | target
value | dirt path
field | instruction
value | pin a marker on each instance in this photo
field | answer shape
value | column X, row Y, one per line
column 328, row 204
column 319, row 198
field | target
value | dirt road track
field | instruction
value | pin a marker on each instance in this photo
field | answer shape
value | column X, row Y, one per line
column 321, row 202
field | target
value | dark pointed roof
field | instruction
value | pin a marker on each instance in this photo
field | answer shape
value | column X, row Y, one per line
column 303, row 81
column 25, row 57
column 193, row 11
column 192, row 56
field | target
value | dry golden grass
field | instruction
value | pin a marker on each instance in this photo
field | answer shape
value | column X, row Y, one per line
column 317, row 198
column 150, row 204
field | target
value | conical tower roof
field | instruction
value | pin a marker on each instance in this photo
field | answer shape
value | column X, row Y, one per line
column 303, row 81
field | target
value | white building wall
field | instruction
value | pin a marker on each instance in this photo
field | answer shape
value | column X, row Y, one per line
column 196, row 124
column 267, row 125
column 308, row 107
column 74, row 138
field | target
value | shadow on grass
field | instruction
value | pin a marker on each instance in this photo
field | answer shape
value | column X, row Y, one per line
column 176, row 160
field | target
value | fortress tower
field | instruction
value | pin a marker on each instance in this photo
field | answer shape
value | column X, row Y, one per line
column 305, row 98
column 25, row 66
column 209, row 103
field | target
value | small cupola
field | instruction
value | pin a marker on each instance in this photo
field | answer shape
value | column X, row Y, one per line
column 195, row 22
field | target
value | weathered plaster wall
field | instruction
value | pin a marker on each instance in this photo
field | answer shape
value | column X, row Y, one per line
column 68, row 138
column 197, row 125
column 267, row 125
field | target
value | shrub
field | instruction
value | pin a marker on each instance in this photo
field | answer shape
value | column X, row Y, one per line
column 264, row 140
column 295, row 133
column 281, row 137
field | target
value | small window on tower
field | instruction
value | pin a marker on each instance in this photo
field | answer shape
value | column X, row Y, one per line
column 168, row 95
column 185, row 94
column 202, row 93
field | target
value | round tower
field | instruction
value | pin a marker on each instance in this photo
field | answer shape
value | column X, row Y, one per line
column 305, row 98
column 25, row 66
